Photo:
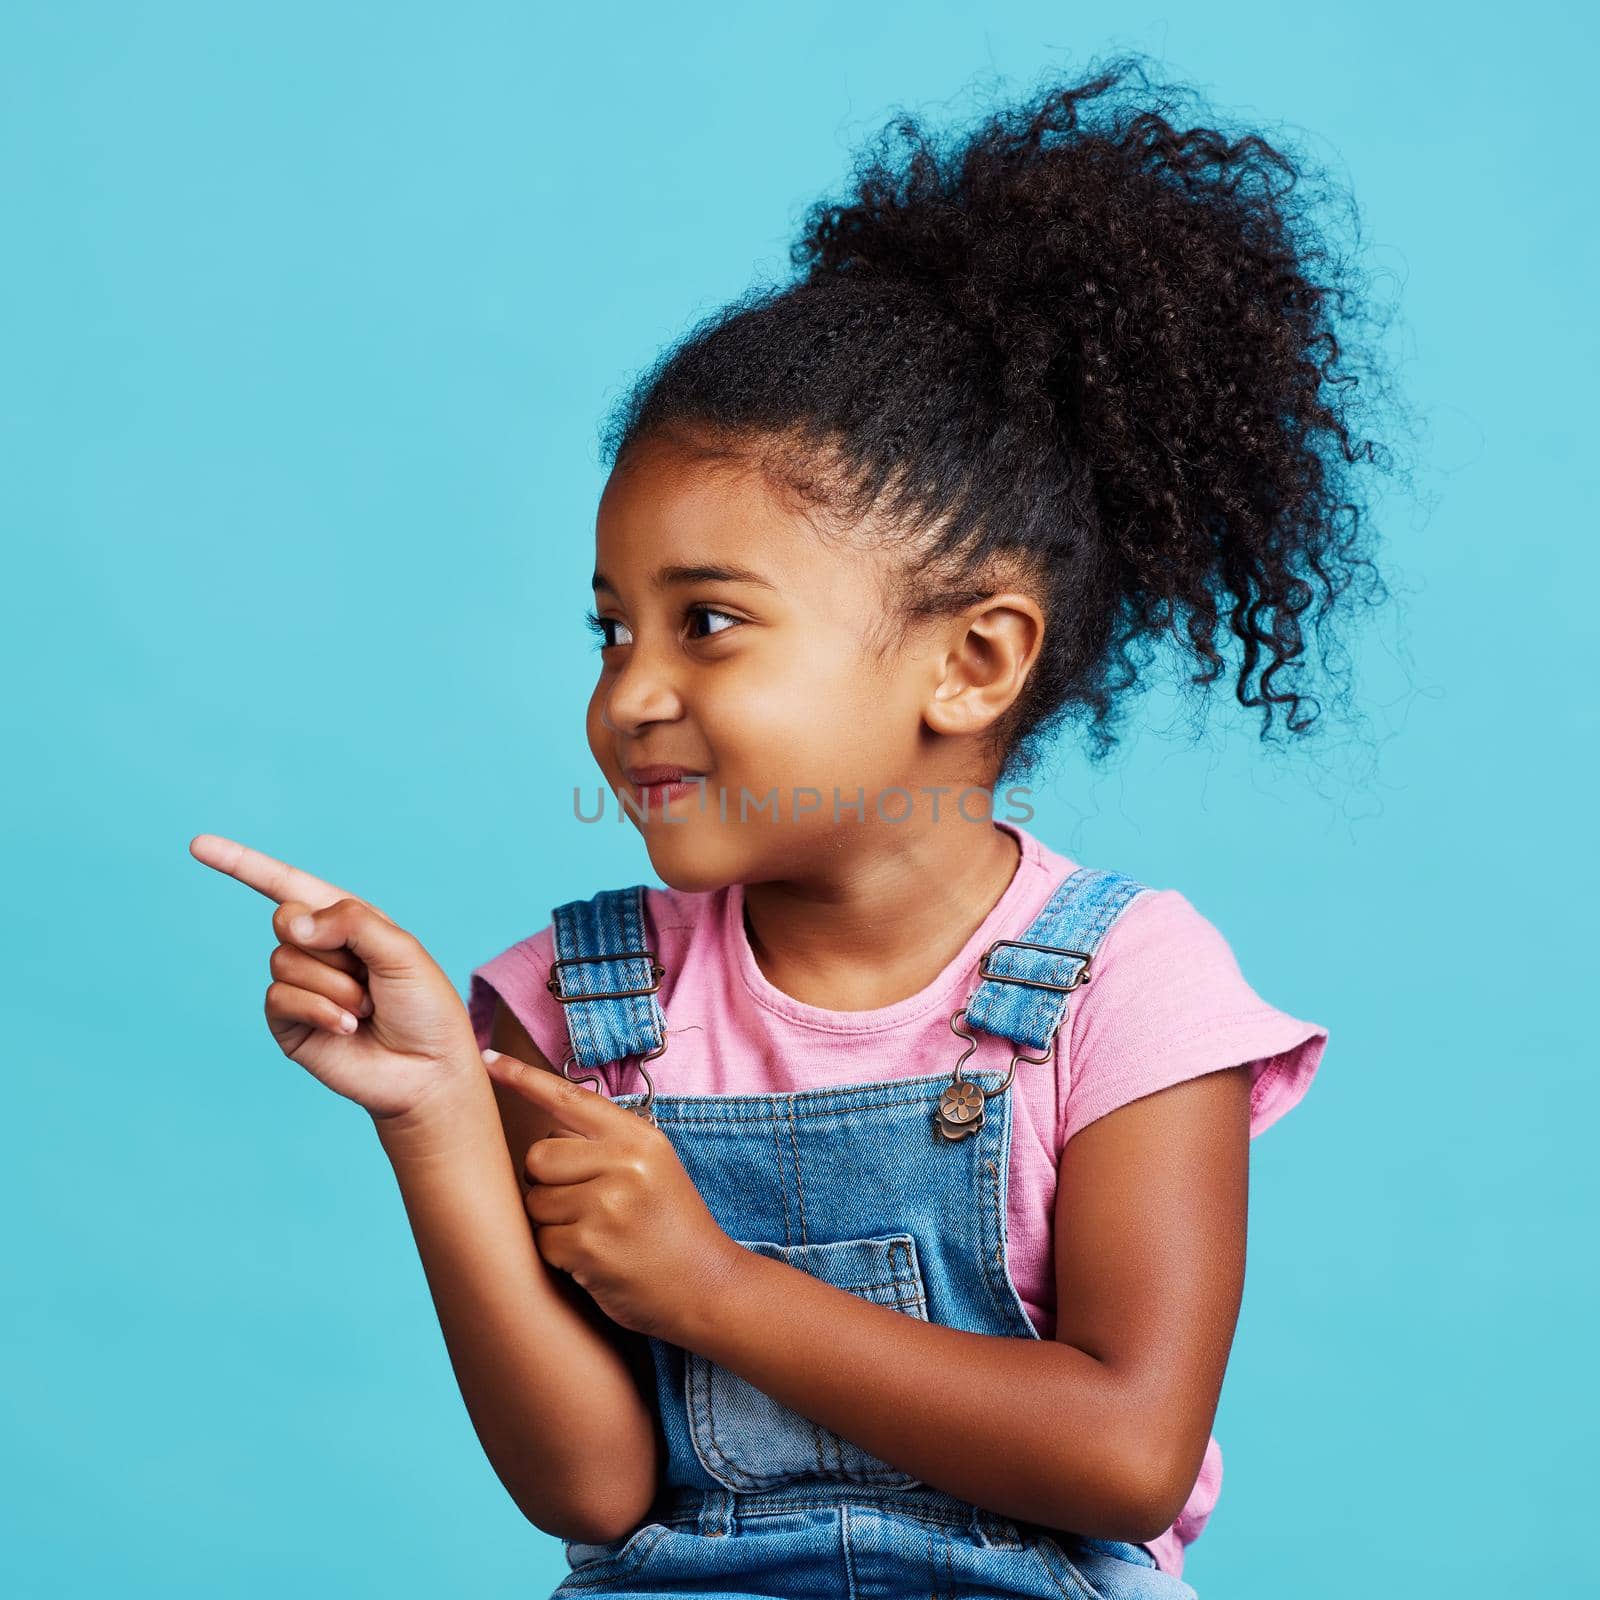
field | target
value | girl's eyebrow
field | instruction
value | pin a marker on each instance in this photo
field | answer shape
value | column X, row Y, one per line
column 698, row 573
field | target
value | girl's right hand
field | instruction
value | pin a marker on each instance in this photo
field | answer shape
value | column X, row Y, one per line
column 355, row 999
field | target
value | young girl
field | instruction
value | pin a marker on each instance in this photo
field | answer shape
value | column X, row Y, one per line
column 894, row 1239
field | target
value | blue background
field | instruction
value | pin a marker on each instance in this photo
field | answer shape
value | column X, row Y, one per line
column 309, row 314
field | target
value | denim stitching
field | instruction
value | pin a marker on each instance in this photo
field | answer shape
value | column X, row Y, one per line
column 783, row 1187
column 1048, row 1568
column 698, row 1376
column 920, row 1513
column 735, row 1476
column 616, row 1566
column 990, row 1213
column 844, row 1544
column 899, row 1281
column 1049, row 1554
column 999, row 1243
column 995, row 1224
column 816, row 1447
column 700, row 1387
column 817, row 1431
column 639, row 1006
column 947, row 1520
column 667, row 1106
column 799, row 1181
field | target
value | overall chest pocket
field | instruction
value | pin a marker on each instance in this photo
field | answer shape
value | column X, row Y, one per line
column 744, row 1438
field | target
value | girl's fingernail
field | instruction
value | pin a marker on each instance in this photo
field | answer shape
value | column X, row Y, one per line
column 301, row 927
column 490, row 1055
column 347, row 1022
column 365, row 1008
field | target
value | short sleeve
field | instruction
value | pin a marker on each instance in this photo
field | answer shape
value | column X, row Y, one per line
column 518, row 976
column 1166, row 1001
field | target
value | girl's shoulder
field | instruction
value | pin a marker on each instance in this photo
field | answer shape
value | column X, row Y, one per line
column 1168, row 1000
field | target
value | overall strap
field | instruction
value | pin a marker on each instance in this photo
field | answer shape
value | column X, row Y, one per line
column 1024, row 992
column 606, row 977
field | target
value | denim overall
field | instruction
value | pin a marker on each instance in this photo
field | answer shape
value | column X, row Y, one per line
column 893, row 1190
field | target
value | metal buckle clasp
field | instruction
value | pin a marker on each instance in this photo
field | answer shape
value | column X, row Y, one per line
column 960, row 1112
column 645, row 1108
column 657, row 972
column 1079, row 977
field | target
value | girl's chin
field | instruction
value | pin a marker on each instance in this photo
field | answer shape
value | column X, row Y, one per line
column 685, row 863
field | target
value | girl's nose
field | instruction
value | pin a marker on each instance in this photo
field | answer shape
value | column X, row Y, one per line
column 642, row 692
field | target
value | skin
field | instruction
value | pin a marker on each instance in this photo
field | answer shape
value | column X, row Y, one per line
column 547, row 1289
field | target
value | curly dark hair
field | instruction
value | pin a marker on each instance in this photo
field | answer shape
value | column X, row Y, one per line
column 1076, row 344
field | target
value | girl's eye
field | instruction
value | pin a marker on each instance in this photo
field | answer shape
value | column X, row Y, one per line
column 601, row 626
column 711, row 611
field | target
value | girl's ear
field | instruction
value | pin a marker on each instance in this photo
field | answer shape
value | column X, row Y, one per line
column 989, row 650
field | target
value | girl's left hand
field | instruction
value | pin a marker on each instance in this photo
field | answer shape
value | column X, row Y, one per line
column 613, row 1206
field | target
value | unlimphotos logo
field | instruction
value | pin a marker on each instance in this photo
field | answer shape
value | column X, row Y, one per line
column 894, row 804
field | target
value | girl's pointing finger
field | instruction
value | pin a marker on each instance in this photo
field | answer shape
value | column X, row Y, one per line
column 575, row 1107
column 277, row 880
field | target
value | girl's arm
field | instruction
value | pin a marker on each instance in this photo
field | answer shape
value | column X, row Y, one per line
column 551, row 1385
column 1101, row 1430
column 549, row 1389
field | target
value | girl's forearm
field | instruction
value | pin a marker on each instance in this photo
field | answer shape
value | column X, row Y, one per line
column 551, row 1397
column 1031, row 1429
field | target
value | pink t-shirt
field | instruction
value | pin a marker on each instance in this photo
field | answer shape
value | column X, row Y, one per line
column 1167, row 1002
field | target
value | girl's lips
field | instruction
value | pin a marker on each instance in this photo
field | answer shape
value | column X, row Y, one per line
column 656, row 793
column 660, row 772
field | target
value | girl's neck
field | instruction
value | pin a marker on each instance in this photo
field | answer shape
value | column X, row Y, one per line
column 888, row 925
